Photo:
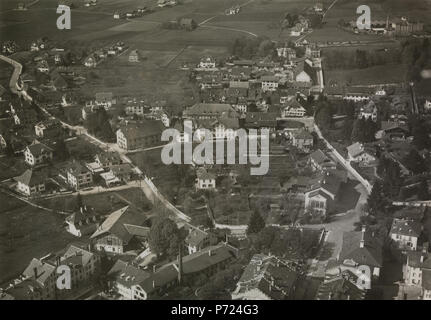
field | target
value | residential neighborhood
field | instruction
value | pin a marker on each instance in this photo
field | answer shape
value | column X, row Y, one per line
column 210, row 150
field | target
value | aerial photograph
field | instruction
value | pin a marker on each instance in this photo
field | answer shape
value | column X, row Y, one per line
column 215, row 150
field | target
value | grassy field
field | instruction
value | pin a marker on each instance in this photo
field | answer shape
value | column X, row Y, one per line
column 27, row 232
column 104, row 203
column 373, row 75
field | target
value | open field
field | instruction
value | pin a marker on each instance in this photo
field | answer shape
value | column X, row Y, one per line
column 27, row 232
column 103, row 203
column 374, row 75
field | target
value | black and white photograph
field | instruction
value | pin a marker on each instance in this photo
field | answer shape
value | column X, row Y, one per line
column 215, row 153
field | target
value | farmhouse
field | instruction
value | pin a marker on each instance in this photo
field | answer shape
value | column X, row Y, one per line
column 120, row 231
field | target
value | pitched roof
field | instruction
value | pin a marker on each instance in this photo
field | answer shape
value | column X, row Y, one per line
column 108, row 156
column 355, row 149
column 370, row 254
column 406, row 227
column 414, row 259
column 37, row 148
column 127, row 274
column 216, row 109
column 32, row 177
column 195, row 237
column 268, row 274
column 203, row 174
column 319, row 157
column 142, row 129
column 43, row 271
column 76, row 256
column 340, row 288
column 193, row 263
column 116, row 221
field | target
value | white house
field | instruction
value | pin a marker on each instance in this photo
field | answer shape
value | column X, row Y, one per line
column 358, row 153
column 292, row 108
column 269, row 83
column 207, row 63
column 31, row 182
column 406, row 233
column 417, row 270
column 205, row 179
column 37, row 153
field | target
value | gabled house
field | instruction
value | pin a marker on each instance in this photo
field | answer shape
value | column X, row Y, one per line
column 124, row 276
column 292, row 108
column 357, row 152
column 392, row 130
column 321, row 199
column 79, row 176
column 118, row 233
column 37, row 153
column 197, row 240
column 320, row 161
column 267, row 278
column 417, row 270
column 361, row 253
column 83, row 222
column 107, row 159
column 341, row 287
column 142, row 134
column 84, row 264
column 31, row 182
column 302, row 139
column 40, row 281
column 50, row 128
column 269, row 83
column 105, row 99
column 405, row 233
column 184, row 270
column 205, row 179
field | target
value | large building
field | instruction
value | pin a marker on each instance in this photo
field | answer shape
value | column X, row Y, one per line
column 142, row 134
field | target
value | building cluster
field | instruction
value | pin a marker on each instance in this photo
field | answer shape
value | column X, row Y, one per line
column 100, row 55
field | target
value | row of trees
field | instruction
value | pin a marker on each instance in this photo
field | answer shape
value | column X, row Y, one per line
column 248, row 48
column 343, row 59
column 98, row 124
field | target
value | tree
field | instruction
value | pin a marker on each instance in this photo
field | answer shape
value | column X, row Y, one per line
column 61, row 151
column 256, row 223
column 423, row 191
column 358, row 131
column 375, row 201
column 165, row 237
column 79, row 201
column 414, row 162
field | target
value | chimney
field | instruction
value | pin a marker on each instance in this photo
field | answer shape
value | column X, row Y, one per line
column 80, row 209
column 425, row 247
column 362, row 242
column 154, row 268
column 422, row 258
column 35, row 272
column 154, row 284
